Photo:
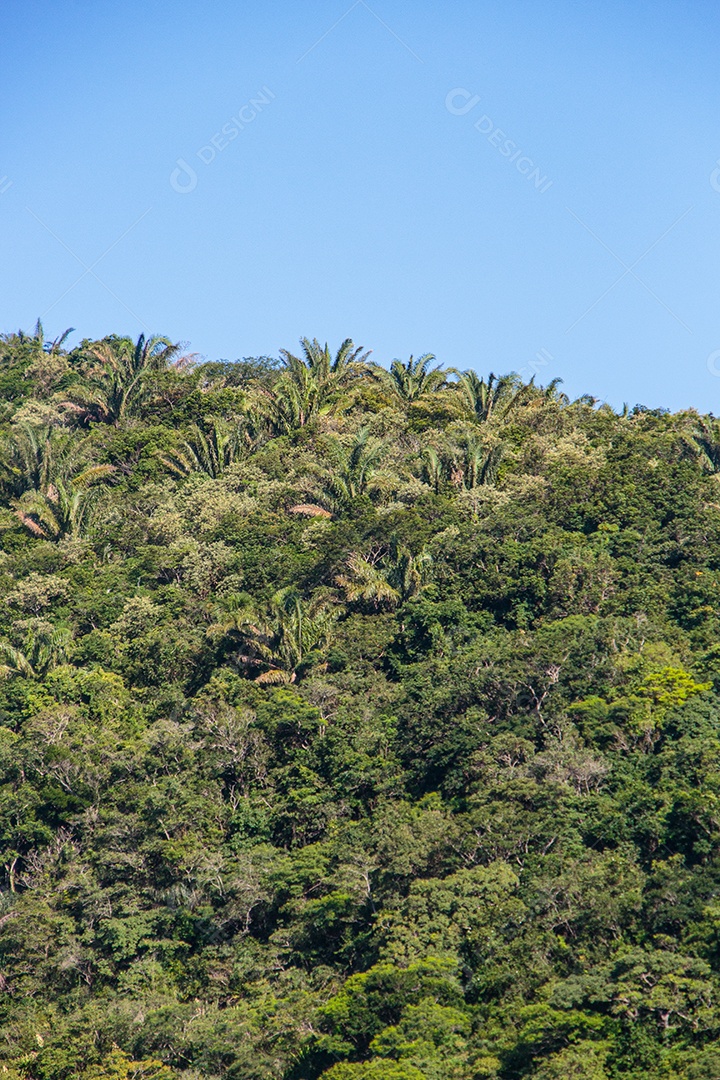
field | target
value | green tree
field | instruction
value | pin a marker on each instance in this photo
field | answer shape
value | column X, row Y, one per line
column 309, row 385
column 491, row 398
column 471, row 461
column 374, row 1070
column 705, row 441
column 39, row 648
column 385, row 578
column 116, row 377
column 414, row 380
column 209, row 449
column 63, row 506
column 352, row 469
column 283, row 638
column 31, row 457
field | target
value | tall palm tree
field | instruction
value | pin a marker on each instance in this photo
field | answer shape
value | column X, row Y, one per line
column 115, row 384
column 37, row 339
column 62, row 507
column 349, row 361
column 28, row 455
column 384, row 579
column 486, row 399
column 282, row 639
column 29, row 367
column 414, row 380
column 45, row 480
column 550, row 393
column 705, row 441
column 43, row 648
column 462, row 457
column 351, row 469
column 471, row 461
column 432, row 467
column 207, row 450
column 309, row 384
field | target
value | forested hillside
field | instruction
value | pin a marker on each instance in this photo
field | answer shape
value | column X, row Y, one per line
column 354, row 722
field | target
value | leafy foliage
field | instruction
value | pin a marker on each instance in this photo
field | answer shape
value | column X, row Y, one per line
column 355, row 723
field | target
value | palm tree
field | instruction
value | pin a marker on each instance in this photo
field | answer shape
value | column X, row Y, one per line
column 116, row 377
column 291, row 403
column 349, row 361
column 365, row 582
column 352, row 468
column 705, row 441
column 414, row 380
column 283, row 639
column 551, row 393
column 62, row 507
column 407, row 572
column 463, row 458
column 28, row 361
column 209, row 451
column 484, row 399
column 27, row 457
column 384, row 579
column 37, row 339
column 310, row 384
column 472, row 462
column 43, row 477
column 432, row 467
column 44, row 647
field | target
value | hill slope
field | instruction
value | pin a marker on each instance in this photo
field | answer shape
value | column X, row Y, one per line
column 353, row 723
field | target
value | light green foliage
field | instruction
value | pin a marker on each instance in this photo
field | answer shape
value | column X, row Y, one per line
column 583, row 1061
column 430, row 1036
column 463, row 915
column 374, row 1070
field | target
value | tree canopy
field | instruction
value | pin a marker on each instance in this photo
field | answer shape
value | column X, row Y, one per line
column 357, row 721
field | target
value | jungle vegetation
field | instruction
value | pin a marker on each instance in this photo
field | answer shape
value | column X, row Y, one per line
column 356, row 721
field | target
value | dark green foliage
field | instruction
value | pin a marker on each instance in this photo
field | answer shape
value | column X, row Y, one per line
column 353, row 724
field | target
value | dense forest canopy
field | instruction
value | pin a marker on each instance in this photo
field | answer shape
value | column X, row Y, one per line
column 356, row 722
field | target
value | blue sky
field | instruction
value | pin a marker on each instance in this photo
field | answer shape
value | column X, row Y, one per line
column 526, row 185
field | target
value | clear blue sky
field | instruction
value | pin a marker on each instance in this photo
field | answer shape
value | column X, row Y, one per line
column 355, row 202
